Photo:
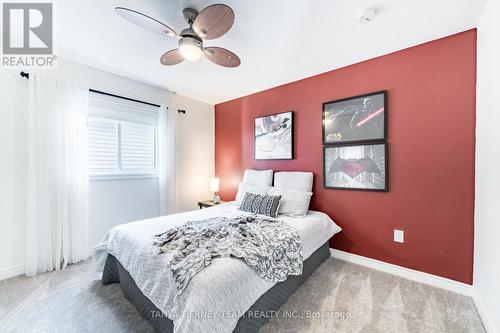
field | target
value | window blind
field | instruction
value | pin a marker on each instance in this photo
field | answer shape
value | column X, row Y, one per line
column 102, row 146
column 138, row 146
column 122, row 138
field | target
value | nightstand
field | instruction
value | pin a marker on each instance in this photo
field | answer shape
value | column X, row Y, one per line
column 208, row 203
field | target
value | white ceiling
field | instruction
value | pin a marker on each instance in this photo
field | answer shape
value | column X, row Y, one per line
column 278, row 41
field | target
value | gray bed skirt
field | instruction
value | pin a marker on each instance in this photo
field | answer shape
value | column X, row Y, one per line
column 272, row 300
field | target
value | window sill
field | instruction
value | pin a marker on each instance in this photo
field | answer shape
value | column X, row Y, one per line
column 122, row 177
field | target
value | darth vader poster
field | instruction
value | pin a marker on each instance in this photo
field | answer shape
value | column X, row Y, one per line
column 355, row 119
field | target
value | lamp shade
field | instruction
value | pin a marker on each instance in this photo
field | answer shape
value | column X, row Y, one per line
column 190, row 48
column 214, row 184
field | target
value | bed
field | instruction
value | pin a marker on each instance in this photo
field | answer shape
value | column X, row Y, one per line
column 227, row 296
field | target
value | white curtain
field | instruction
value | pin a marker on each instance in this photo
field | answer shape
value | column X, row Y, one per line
column 168, row 133
column 57, row 179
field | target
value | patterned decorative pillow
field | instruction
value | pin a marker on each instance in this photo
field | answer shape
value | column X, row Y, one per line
column 261, row 204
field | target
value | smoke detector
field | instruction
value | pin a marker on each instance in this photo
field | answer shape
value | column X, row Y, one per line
column 366, row 15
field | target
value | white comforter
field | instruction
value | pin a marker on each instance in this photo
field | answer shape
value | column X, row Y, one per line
column 217, row 296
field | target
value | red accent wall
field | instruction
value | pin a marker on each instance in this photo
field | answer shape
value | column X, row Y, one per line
column 431, row 137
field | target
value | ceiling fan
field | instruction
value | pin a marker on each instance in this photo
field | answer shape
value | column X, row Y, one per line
column 212, row 22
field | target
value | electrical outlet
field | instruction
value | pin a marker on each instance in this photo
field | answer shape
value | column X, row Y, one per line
column 399, row 236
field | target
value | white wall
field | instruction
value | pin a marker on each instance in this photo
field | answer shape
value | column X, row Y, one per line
column 487, row 224
column 197, row 130
column 111, row 201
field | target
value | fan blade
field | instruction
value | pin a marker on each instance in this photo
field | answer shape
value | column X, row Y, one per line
column 214, row 21
column 172, row 57
column 221, row 56
column 145, row 21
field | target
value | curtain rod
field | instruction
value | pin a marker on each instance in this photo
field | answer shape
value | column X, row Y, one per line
column 27, row 75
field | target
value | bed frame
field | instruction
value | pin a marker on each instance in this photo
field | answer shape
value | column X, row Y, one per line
column 271, row 300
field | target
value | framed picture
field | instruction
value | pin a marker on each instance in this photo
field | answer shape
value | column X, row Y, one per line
column 356, row 167
column 274, row 137
column 355, row 119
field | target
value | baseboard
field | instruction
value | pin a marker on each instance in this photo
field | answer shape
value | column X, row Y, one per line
column 8, row 273
column 411, row 274
column 483, row 314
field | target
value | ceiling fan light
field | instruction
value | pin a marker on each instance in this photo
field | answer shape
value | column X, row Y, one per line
column 190, row 48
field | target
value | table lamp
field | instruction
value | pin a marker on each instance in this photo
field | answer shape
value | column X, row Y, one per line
column 214, row 187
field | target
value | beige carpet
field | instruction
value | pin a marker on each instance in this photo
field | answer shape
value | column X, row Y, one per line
column 339, row 297
column 375, row 302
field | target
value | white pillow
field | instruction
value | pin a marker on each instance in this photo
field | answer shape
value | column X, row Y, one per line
column 293, row 202
column 250, row 188
column 297, row 180
column 260, row 177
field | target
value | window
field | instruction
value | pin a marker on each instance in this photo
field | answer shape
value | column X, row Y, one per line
column 122, row 138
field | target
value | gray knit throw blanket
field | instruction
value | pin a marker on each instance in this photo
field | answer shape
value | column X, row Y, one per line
column 269, row 246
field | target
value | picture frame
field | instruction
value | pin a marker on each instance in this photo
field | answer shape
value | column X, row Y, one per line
column 274, row 136
column 355, row 119
column 357, row 167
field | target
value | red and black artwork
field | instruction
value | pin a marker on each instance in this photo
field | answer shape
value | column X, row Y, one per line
column 355, row 119
column 356, row 167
